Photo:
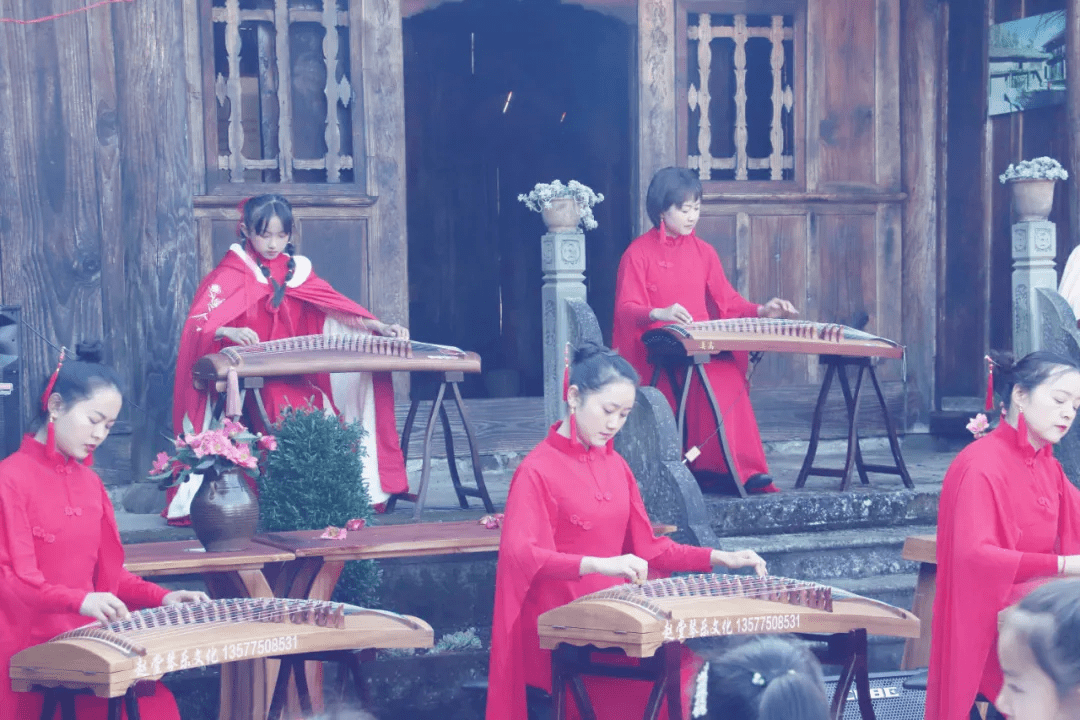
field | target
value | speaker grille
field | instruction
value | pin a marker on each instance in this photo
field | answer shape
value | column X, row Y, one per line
column 891, row 700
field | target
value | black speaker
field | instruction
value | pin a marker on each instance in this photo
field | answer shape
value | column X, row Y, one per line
column 892, row 700
column 11, row 392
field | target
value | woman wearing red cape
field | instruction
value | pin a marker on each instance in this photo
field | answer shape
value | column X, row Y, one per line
column 1008, row 519
column 261, row 291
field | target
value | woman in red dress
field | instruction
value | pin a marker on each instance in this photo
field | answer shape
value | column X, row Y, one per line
column 262, row 291
column 1008, row 518
column 669, row 275
column 61, row 561
column 575, row 524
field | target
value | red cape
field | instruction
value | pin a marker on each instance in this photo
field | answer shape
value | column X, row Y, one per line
column 564, row 503
column 656, row 272
column 1001, row 502
column 58, row 542
column 234, row 289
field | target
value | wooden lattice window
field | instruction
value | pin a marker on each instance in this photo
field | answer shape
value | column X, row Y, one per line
column 278, row 91
column 741, row 91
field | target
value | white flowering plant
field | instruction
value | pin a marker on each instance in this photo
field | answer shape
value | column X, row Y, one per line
column 1041, row 168
column 542, row 194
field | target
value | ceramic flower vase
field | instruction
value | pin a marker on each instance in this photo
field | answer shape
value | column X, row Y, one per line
column 1032, row 199
column 562, row 216
column 224, row 511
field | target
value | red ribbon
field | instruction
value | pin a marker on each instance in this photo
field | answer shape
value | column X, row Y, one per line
column 52, row 381
column 989, row 383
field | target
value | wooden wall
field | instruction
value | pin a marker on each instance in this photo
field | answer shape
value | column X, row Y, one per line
column 832, row 240
column 976, row 267
column 96, row 223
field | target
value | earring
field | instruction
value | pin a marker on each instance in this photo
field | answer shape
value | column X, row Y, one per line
column 50, row 435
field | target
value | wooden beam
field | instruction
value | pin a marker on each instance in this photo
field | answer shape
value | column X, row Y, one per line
column 657, row 103
column 158, row 239
column 1072, row 104
column 921, row 30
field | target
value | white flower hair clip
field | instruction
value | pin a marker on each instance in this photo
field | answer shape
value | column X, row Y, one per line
column 757, row 679
column 701, row 693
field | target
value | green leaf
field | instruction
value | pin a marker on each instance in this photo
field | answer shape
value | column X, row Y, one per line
column 189, row 428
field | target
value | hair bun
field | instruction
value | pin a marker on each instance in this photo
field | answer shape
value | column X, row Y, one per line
column 588, row 349
column 89, row 351
column 1004, row 361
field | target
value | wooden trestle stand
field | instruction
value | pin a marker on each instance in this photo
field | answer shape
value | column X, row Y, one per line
column 235, row 370
column 682, row 351
column 650, row 622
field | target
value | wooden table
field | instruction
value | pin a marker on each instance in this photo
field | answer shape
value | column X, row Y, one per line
column 921, row 549
column 246, row 685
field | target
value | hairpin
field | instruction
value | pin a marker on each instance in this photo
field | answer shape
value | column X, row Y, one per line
column 52, row 381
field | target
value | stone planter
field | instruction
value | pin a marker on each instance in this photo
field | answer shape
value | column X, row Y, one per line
column 1032, row 200
column 562, row 216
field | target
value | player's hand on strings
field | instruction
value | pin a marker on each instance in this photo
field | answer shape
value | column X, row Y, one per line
column 630, row 567
column 238, row 335
column 103, row 607
column 675, row 313
column 739, row 559
column 778, row 308
column 394, row 330
column 185, row 596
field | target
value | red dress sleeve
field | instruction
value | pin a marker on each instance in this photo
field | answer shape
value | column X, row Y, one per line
column 662, row 553
column 729, row 303
column 112, row 576
column 631, row 294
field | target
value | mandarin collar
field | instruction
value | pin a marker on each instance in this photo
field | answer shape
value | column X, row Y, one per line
column 668, row 241
column 39, row 452
column 575, row 448
column 1017, row 437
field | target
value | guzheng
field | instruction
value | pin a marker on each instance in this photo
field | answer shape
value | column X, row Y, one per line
column 638, row 619
column 330, row 354
column 150, row 643
column 768, row 334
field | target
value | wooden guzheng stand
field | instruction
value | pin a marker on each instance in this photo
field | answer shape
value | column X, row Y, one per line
column 649, row 621
column 109, row 660
column 235, row 370
column 685, row 349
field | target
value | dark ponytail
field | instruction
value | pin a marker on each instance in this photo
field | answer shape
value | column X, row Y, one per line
column 594, row 366
column 81, row 376
column 1027, row 373
column 766, row 678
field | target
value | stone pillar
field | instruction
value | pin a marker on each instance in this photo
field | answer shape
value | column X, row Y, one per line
column 563, row 261
column 1034, row 245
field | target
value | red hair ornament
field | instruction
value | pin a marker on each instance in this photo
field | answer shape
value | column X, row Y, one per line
column 50, row 432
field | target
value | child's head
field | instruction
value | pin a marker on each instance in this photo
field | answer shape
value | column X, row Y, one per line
column 603, row 387
column 82, row 403
column 267, row 224
column 1039, row 647
column 674, row 196
column 766, row 678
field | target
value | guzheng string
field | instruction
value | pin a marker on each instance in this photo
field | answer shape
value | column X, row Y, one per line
column 770, row 587
column 143, row 627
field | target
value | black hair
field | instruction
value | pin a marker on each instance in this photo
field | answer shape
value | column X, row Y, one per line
column 261, row 209
column 670, row 186
column 1049, row 619
column 766, row 678
column 81, row 376
column 1027, row 373
column 594, row 366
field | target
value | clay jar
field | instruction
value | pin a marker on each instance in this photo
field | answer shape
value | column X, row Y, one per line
column 224, row 511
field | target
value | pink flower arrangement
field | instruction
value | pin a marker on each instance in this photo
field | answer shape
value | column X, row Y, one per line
column 221, row 448
column 978, row 425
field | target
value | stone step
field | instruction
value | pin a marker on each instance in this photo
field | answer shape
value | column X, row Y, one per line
column 824, row 556
column 804, row 511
